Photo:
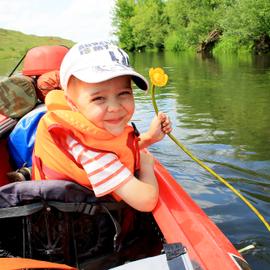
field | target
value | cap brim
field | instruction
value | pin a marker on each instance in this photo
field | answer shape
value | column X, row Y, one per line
column 89, row 76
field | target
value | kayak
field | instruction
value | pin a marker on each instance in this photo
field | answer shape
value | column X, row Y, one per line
column 61, row 225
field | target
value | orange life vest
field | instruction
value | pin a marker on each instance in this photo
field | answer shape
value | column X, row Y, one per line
column 51, row 160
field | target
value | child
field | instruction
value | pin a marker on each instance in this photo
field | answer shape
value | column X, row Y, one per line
column 84, row 136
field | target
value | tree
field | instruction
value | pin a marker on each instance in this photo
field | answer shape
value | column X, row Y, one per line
column 123, row 12
column 149, row 24
column 191, row 21
column 140, row 24
column 245, row 22
column 183, row 24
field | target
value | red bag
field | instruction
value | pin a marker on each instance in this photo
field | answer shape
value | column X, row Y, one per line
column 42, row 59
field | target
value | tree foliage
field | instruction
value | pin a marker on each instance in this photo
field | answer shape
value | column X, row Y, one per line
column 140, row 24
column 184, row 24
column 123, row 13
column 245, row 22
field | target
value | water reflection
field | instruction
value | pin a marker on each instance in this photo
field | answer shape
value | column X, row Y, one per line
column 234, row 103
column 261, row 64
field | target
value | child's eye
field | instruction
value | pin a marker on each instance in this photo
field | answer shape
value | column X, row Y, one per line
column 98, row 99
column 125, row 92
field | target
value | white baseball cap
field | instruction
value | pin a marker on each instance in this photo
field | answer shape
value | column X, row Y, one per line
column 96, row 62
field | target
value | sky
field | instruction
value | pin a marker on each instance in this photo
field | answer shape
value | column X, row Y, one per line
column 76, row 20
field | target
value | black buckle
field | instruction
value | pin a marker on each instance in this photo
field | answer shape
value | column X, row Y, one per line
column 174, row 250
column 178, row 258
column 136, row 131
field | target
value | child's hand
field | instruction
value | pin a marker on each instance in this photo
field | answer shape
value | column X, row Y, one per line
column 161, row 125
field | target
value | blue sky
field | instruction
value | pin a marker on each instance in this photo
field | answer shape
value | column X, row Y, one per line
column 72, row 19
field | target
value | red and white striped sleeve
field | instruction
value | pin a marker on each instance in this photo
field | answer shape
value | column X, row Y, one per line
column 105, row 171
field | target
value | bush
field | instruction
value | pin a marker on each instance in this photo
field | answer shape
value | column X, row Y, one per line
column 229, row 44
column 175, row 42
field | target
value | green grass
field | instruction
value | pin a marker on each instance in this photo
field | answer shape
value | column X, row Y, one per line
column 15, row 44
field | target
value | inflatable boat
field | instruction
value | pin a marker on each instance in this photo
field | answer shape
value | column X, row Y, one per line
column 61, row 225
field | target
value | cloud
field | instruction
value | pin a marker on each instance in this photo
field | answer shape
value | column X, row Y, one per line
column 73, row 19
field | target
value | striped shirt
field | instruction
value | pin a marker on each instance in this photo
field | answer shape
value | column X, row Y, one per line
column 104, row 170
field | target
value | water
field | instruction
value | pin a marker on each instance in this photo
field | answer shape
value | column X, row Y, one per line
column 220, row 111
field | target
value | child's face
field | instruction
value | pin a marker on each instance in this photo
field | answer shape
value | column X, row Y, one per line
column 108, row 105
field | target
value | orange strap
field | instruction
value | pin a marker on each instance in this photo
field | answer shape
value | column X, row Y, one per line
column 22, row 263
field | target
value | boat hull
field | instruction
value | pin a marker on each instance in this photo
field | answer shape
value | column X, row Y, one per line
column 180, row 219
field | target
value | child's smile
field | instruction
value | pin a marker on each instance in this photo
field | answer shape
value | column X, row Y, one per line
column 108, row 105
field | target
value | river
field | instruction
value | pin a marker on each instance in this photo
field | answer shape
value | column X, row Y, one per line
column 220, row 110
column 219, row 107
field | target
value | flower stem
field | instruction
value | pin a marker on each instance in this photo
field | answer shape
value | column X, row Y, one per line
column 154, row 98
column 222, row 180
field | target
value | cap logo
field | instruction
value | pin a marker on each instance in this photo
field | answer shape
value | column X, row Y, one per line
column 116, row 54
column 124, row 59
column 95, row 46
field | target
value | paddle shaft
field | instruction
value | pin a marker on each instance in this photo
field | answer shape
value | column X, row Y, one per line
column 11, row 73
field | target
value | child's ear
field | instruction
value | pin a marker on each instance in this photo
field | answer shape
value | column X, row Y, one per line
column 71, row 104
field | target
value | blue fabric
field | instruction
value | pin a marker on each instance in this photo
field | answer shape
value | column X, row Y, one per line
column 22, row 138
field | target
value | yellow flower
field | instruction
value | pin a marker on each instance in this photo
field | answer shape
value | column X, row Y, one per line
column 158, row 77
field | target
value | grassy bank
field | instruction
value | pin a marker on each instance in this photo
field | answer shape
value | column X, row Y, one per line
column 15, row 44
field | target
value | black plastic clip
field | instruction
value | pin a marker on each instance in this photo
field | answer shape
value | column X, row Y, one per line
column 136, row 131
column 173, row 250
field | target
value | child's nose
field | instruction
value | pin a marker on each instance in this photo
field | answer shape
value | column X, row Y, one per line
column 113, row 105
